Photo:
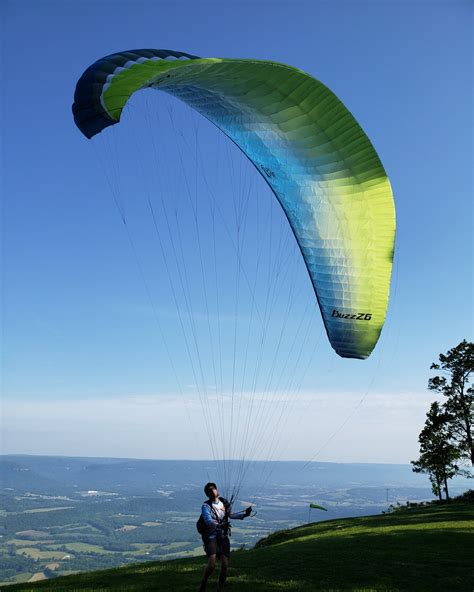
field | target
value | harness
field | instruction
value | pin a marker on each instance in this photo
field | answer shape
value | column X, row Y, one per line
column 223, row 523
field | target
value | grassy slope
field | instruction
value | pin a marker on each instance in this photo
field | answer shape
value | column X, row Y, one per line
column 423, row 549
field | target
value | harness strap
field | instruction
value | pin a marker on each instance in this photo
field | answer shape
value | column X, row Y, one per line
column 214, row 511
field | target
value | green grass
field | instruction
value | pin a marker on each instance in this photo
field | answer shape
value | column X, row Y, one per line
column 86, row 548
column 36, row 510
column 37, row 554
column 421, row 549
column 23, row 577
column 173, row 546
column 29, row 543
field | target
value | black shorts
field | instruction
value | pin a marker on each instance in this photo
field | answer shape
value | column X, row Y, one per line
column 218, row 546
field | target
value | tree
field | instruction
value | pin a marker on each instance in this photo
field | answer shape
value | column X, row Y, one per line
column 457, row 366
column 438, row 455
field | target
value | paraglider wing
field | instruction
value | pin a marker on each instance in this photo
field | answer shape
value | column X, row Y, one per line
column 313, row 154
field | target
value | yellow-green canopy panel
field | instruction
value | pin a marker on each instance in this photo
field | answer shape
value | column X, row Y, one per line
column 311, row 151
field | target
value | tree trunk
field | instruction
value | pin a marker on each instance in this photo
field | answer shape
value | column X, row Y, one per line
column 446, row 488
column 469, row 442
column 438, row 485
column 466, row 413
column 467, row 427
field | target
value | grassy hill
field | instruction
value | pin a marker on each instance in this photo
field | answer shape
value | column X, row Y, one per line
column 419, row 549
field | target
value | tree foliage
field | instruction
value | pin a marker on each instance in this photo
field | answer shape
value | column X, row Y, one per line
column 454, row 383
column 438, row 455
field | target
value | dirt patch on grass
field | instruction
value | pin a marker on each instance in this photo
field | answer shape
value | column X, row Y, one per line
column 126, row 528
column 38, row 577
column 32, row 533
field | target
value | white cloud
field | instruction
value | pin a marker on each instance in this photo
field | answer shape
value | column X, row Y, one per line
column 342, row 427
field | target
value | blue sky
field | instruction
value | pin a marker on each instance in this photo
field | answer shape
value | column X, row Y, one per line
column 85, row 370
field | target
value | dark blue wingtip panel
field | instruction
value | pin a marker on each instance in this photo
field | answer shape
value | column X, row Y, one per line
column 89, row 115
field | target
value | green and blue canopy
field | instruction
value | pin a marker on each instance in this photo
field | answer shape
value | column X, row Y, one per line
column 308, row 147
